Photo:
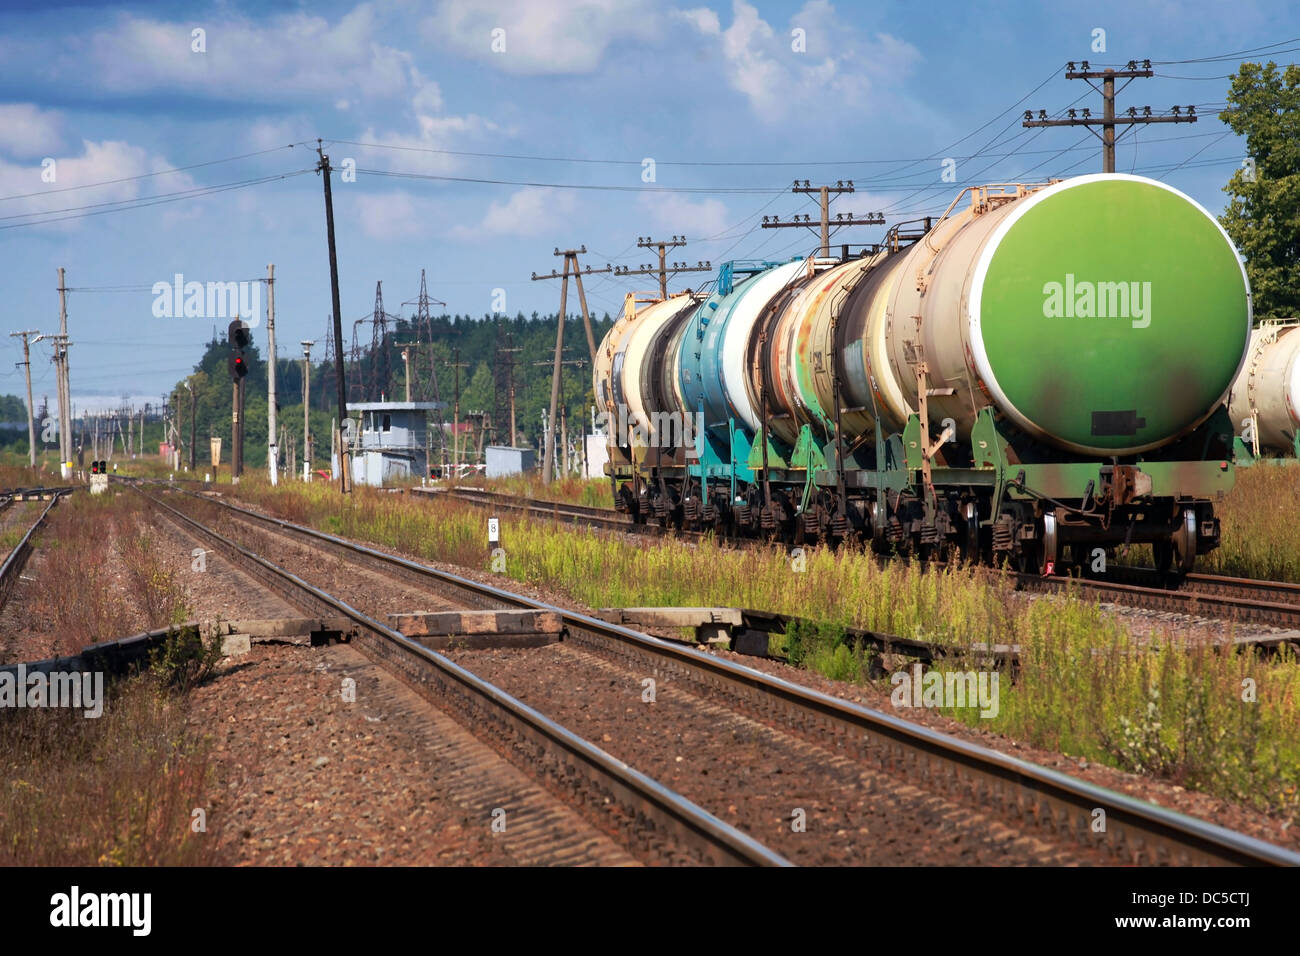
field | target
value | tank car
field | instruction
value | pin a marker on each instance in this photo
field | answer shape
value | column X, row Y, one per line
column 1265, row 399
column 1038, row 373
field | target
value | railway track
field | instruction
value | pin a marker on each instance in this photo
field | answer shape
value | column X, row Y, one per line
column 585, row 515
column 1248, row 601
column 13, row 565
column 1049, row 804
column 660, row 824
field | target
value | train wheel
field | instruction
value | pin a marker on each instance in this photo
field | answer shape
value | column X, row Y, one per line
column 1184, row 542
column 970, row 551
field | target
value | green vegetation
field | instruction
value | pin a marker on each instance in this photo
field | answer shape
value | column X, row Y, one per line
column 186, row 659
column 1261, row 533
column 477, row 341
column 592, row 492
column 1263, row 215
column 1086, row 685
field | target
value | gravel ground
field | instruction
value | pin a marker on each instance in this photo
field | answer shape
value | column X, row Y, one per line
column 810, row 804
column 306, row 778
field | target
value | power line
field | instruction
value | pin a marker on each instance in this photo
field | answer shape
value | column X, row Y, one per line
column 147, row 201
column 764, row 190
column 1231, row 56
column 159, row 172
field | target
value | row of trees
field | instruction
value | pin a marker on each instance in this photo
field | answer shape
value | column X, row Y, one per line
column 483, row 381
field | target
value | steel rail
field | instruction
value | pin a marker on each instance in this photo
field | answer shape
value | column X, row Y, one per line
column 1135, row 831
column 649, row 804
column 13, row 565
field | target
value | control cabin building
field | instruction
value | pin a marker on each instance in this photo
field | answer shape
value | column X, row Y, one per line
column 394, row 441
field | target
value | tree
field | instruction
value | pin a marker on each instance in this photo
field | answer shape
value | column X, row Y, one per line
column 1263, row 217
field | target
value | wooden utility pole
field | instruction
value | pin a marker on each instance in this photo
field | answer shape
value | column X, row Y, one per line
column 456, row 364
column 272, row 450
column 509, row 351
column 31, row 412
column 306, row 412
column 323, row 167
column 826, row 224
column 65, row 392
column 1108, row 120
column 193, row 422
column 550, row 421
column 664, row 270
column 570, row 261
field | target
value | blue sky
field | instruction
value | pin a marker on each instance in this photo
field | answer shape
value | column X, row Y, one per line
column 716, row 94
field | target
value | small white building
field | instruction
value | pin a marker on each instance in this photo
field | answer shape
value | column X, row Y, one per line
column 393, row 442
column 503, row 460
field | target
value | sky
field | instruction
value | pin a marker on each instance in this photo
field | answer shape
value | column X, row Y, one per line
column 141, row 142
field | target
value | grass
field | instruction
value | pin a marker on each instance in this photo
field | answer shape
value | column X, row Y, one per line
column 592, row 492
column 119, row 790
column 102, row 575
column 1261, row 533
column 1086, row 685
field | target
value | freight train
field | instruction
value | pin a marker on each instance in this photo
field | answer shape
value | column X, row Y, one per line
column 1036, row 374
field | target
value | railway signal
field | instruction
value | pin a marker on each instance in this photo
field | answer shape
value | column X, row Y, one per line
column 240, row 338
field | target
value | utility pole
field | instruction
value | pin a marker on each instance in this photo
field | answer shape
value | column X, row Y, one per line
column 645, row 242
column 1109, row 120
column 306, row 412
column 456, row 364
column 510, row 351
column 549, row 464
column 193, row 401
column 65, row 392
column 31, row 412
column 272, row 451
column 406, row 363
column 827, row 224
column 570, row 260
column 323, row 167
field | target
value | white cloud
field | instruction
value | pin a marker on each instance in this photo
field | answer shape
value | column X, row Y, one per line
column 529, row 211
column 28, row 131
column 290, row 56
column 541, row 38
column 702, row 18
column 101, row 162
column 416, row 153
column 674, row 213
column 838, row 67
column 395, row 215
